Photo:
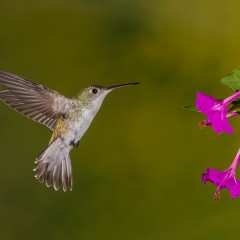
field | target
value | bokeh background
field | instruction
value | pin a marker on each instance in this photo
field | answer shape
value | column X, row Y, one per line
column 137, row 170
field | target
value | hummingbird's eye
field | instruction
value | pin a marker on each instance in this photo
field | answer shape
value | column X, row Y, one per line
column 94, row 91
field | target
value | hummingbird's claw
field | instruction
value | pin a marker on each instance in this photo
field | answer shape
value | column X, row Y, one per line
column 74, row 144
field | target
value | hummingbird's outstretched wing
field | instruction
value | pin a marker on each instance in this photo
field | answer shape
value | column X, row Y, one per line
column 35, row 101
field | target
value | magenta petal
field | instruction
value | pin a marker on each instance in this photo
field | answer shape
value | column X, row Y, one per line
column 235, row 190
column 219, row 122
column 205, row 103
column 214, row 176
column 225, row 179
column 215, row 111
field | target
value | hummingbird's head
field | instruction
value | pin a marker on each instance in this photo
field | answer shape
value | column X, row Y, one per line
column 95, row 94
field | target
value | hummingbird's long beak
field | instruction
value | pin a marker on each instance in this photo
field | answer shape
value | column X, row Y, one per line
column 121, row 85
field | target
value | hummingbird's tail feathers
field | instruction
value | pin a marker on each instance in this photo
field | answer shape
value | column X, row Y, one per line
column 53, row 166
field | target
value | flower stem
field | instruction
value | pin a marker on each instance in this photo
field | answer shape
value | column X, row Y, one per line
column 231, row 98
column 235, row 162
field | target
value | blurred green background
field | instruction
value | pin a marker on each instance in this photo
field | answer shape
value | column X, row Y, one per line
column 137, row 170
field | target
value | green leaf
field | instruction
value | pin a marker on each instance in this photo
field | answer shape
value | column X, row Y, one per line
column 192, row 108
column 232, row 80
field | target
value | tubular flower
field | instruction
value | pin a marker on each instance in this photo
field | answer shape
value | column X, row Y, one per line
column 216, row 111
column 224, row 179
column 208, row 122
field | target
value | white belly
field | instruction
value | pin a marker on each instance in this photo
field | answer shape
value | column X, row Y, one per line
column 81, row 126
column 77, row 127
column 78, row 122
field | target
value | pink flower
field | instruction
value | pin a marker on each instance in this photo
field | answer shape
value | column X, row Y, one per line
column 224, row 179
column 216, row 111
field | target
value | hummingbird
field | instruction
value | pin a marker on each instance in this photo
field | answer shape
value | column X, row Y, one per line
column 68, row 118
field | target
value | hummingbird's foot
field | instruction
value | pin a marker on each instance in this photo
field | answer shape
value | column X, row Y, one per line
column 74, row 144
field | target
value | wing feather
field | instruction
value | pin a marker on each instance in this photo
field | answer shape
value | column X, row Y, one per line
column 35, row 101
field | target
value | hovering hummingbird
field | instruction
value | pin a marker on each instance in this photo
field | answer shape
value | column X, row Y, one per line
column 67, row 118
